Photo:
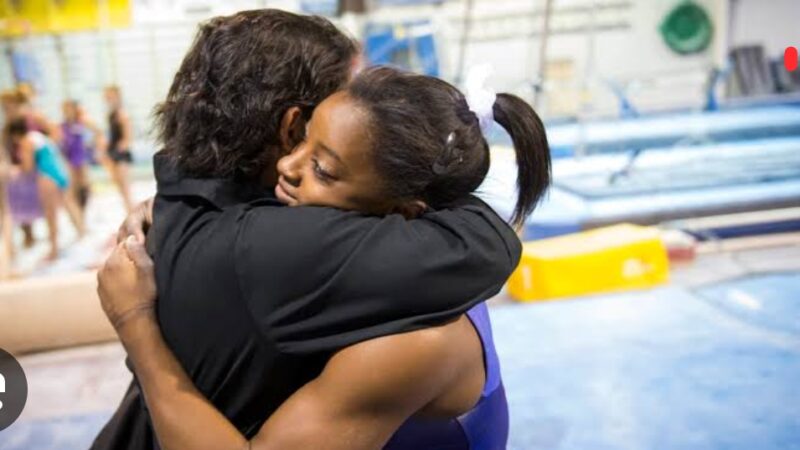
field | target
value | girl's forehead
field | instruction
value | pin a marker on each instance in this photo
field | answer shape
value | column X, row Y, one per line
column 341, row 119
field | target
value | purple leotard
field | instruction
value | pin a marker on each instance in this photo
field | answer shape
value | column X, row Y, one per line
column 74, row 147
column 23, row 191
column 23, row 198
column 485, row 427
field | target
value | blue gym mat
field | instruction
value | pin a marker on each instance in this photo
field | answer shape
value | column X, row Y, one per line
column 662, row 184
column 61, row 433
column 662, row 130
column 691, row 168
column 663, row 369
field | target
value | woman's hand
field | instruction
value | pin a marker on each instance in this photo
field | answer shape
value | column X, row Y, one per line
column 126, row 283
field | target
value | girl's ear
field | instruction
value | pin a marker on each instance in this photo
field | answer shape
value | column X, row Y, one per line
column 293, row 129
column 411, row 209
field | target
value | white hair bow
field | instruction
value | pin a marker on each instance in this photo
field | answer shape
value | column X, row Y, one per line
column 479, row 97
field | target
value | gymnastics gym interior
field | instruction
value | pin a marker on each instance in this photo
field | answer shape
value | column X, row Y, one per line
column 657, row 301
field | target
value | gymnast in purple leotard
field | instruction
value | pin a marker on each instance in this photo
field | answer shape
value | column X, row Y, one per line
column 391, row 143
column 24, row 196
column 73, row 145
column 76, row 149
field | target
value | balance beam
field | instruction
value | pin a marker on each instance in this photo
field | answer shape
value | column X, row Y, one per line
column 51, row 312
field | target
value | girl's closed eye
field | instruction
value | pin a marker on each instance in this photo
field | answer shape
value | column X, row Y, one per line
column 321, row 173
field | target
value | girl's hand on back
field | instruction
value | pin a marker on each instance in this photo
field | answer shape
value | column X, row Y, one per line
column 137, row 222
column 126, row 283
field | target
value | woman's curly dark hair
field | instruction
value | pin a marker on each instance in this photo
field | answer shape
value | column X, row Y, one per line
column 223, row 112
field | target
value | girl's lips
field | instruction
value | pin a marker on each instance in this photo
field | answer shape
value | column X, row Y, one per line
column 283, row 195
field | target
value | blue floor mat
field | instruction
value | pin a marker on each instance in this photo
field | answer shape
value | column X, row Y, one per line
column 661, row 369
column 666, row 369
column 62, row 433
column 771, row 302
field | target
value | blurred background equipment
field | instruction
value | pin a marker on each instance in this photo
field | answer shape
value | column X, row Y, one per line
column 670, row 236
column 409, row 45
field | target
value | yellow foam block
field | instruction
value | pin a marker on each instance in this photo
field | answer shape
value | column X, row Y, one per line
column 606, row 259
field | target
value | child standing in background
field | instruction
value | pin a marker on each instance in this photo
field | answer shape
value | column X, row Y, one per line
column 118, row 155
column 21, row 188
column 5, row 216
column 39, row 157
column 77, row 150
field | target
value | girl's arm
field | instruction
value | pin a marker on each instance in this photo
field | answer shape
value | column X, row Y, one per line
column 363, row 395
column 5, row 169
column 182, row 417
column 125, row 121
column 52, row 130
column 27, row 155
column 98, row 134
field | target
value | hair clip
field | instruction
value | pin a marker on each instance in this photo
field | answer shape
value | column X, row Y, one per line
column 450, row 143
column 446, row 157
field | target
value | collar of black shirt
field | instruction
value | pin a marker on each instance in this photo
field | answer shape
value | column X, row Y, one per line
column 220, row 192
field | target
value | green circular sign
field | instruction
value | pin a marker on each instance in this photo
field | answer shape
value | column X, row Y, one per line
column 687, row 29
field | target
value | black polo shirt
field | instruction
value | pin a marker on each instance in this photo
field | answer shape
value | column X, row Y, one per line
column 254, row 297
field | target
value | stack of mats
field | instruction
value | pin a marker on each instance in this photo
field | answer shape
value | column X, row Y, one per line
column 614, row 258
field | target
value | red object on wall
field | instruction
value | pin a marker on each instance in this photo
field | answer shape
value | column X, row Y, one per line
column 790, row 59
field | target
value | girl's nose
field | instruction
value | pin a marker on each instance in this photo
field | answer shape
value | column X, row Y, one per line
column 289, row 166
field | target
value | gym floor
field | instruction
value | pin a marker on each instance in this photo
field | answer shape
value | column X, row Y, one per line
column 710, row 361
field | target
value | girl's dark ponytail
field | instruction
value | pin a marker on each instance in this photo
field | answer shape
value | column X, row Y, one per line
column 533, row 153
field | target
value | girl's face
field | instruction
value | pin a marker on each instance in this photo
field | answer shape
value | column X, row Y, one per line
column 16, row 139
column 111, row 97
column 333, row 166
column 10, row 108
column 70, row 111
